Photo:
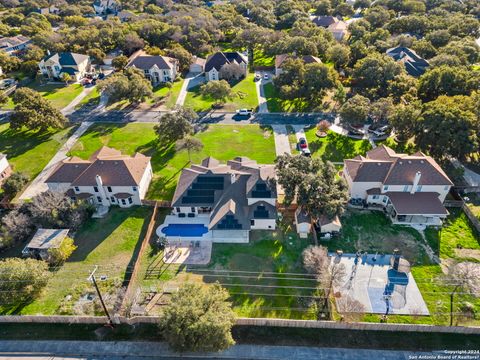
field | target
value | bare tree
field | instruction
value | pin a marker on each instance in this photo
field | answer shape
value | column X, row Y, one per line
column 231, row 71
column 350, row 308
column 464, row 276
column 316, row 260
column 334, row 276
column 190, row 144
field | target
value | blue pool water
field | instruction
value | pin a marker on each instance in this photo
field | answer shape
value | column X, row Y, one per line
column 186, row 230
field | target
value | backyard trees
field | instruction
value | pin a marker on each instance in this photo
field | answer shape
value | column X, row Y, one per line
column 314, row 183
column 14, row 184
column 404, row 119
column 21, row 280
column 339, row 54
column 198, row 318
column 120, row 62
column 190, row 144
column 175, row 125
column 34, row 112
column 59, row 255
column 130, row 85
column 231, row 71
column 355, row 110
column 464, row 276
column 218, row 90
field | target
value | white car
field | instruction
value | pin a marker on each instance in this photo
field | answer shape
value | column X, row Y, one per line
column 244, row 112
column 266, row 77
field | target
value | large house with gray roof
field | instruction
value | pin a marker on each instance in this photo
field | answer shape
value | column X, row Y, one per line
column 216, row 62
column 107, row 178
column 158, row 69
column 414, row 64
column 75, row 65
column 14, row 45
column 222, row 202
column 410, row 188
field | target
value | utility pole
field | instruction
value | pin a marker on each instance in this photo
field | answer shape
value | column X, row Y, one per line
column 94, row 281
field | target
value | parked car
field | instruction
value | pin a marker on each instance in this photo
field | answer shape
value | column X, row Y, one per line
column 302, row 144
column 306, row 152
column 382, row 131
column 244, row 112
column 86, row 82
column 266, row 77
column 257, row 77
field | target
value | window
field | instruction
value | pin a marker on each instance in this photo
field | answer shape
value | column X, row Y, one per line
column 385, row 188
column 178, row 210
column 95, row 189
column 134, row 189
column 385, row 198
column 130, row 201
column 109, row 188
column 99, row 199
column 192, row 209
column 447, row 187
column 252, row 222
column 405, row 188
column 375, row 197
column 112, row 199
column 77, row 189
column 123, row 202
column 419, row 188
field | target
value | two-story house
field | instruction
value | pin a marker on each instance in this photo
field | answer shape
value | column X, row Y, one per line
column 76, row 65
column 215, row 63
column 107, row 178
column 410, row 188
column 414, row 64
column 158, row 69
column 15, row 44
column 5, row 168
column 338, row 28
column 222, row 202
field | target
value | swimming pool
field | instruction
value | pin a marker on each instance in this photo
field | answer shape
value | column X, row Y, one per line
column 185, row 230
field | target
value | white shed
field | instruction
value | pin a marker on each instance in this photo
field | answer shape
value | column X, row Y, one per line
column 330, row 225
column 303, row 223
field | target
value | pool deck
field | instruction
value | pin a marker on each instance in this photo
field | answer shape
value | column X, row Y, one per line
column 188, row 252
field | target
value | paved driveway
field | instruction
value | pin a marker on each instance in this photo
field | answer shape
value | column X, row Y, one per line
column 282, row 145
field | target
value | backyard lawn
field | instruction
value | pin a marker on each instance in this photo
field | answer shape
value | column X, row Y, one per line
column 162, row 95
column 29, row 151
column 250, row 140
column 275, row 104
column 111, row 243
column 244, row 96
column 335, row 147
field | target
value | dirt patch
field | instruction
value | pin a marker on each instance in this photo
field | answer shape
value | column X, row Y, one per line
column 468, row 253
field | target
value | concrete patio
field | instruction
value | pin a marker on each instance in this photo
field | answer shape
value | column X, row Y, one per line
column 188, row 252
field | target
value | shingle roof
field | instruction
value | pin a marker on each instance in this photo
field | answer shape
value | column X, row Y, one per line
column 419, row 203
column 414, row 64
column 219, row 59
column 146, row 62
column 307, row 59
column 383, row 165
column 67, row 58
column 47, row 238
column 7, row 42
column 324, row 21
column 114, row 168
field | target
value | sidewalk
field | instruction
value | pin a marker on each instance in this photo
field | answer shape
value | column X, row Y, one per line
column 97, row 349
column 38, row 185
column 70, row 108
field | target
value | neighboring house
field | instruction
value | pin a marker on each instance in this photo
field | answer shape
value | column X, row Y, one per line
column 198, row 65
column 15, row 44
column 48, row 10
column 224, row 201
column 5, row 168
column 76, row 65
column 215, row 63
column 107, row 178
column 326, row 225
column 107, row 60
column 103, row 7
column 414, row 64
column 158, row 69
column 43, row 241
column 126, row 16
column 338, row 28
column 280, row 59
column 410, row 188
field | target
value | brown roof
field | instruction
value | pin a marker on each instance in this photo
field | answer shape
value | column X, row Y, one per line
column 307, row 59
column 374, row 191
column 384, row 165
column 419, row 203
column 114, row 168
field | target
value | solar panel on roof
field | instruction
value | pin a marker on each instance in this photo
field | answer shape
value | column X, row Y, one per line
column 261, row 194
column 261, row 187
column 207, row 186
column 229, row 222
column 197, row 200
column 260, row 213
column 198, row 192
column 210, row 179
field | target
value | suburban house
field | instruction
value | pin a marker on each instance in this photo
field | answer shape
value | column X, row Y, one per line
column 338, row 28
column 124, row 16
column 107, row 178
column 215, row 63
column 43, row 241
column 410, row 188
column 304, row 223
column 52, row 9
column 198, row 65
column 14, row 44
column 156, row 68
column 75, row 65
column 414, row 64
column 222, row 202
column 280, row 59
column 103, row 7
column 5, row 168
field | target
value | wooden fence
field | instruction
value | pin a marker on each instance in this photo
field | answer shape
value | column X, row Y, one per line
column 161, row 203
column 471, row 216
column 262, row 322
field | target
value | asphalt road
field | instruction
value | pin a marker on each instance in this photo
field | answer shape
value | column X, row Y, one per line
column 142, row 350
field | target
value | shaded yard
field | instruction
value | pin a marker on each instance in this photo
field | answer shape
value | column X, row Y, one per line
column 251, row 141
column 335, row 147
column 110, row 243
column 244, row 96
column 275, row 104
column 29, row 151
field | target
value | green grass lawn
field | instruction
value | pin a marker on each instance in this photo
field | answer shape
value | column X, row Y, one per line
column 29, row 151
column 260, row 59
column 251, row 141
column 111, row 243
column 162, row 95
column 91, row 99
column 58, row 94
column 275, row 104
column 335, row 147
column 244, row 96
